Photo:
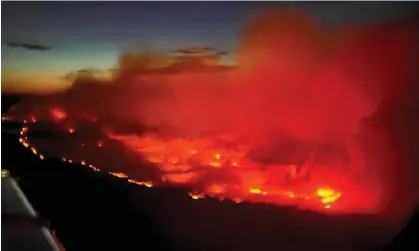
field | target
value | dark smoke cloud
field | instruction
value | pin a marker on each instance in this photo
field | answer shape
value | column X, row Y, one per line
column 33, row 47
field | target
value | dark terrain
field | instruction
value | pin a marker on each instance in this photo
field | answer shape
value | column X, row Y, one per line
column 95, row 211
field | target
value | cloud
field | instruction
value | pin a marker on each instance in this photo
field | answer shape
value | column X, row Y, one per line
column 89, row 72
column 32, row 47
column 190, row 52
column 189, row 60
column 193, row 50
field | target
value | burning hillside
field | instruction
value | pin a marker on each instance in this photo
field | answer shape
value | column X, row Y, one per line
column 299, row 121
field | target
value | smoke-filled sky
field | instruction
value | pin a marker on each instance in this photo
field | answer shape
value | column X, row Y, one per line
column 43, row 42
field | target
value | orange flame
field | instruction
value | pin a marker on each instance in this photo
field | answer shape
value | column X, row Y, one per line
column 200, row 161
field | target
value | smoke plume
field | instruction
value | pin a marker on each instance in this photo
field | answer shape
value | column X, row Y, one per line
column 356, row 85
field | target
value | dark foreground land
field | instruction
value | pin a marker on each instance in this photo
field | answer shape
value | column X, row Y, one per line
column 94, row 211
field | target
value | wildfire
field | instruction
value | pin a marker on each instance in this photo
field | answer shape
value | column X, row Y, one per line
column 23, row 139
column 220, row 168
column 119, row 175
column 212, row 167
column 328, row 195
column 58, row 114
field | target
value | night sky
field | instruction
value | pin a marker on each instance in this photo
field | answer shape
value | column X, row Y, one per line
column 43, row 41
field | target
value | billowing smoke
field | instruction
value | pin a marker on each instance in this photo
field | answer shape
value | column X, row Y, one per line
column 356, row 86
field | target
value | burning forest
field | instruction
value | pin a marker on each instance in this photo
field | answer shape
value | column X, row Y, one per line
column 305, row 118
